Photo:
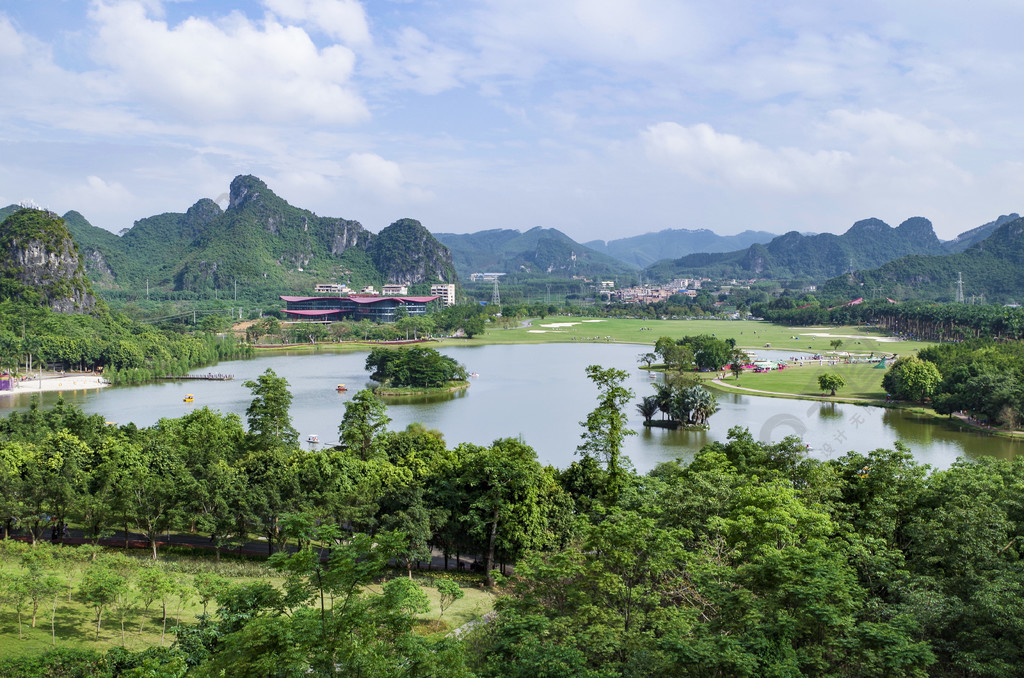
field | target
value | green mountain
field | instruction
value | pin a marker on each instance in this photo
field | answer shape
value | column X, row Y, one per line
column 867, row 244
column 39, row 263
column 259, row 242
column 976, row 235
column 992, row 268
column 540, row 251
column 648, row 248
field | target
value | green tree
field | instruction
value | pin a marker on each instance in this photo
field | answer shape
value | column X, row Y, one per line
column 270, row 423
column 831, row 381
column 363, row 425
column 910, row 378
column 500, row 491
column 605, row 426
column 99, row 589
column 449, row 591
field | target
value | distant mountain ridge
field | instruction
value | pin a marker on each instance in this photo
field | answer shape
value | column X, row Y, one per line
column 539, row 250
column 866, row 244
column 992, row 267
column 671, row 243
column 259, row 241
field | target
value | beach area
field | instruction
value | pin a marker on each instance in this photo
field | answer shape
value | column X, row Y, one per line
column 48, row 382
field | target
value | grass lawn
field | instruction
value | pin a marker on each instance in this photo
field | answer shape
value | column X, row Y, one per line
column 749, row 334
column 863, row 381
column 75, row 623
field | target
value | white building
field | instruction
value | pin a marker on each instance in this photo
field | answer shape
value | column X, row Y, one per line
column 395, row 290
column 332, row 288
column 446, row 291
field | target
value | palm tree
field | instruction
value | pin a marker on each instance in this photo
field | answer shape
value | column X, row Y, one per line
column 648, row 407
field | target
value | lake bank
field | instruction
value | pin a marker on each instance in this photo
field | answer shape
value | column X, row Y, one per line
column 55, row 382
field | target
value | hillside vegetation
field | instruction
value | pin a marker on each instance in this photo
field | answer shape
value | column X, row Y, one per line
column 992, row 268
column 259, row 243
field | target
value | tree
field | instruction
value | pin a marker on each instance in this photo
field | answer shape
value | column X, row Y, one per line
column 474, row 326
column 209, row 586
column 831, row 381
column 836, row 344
column 449, row 591
column 364, row 422
column 99, row 588
column 648, row 407
column 500, row 491
column 605, row 426
column 647, row 358
column 269, row 421
column 910, row 378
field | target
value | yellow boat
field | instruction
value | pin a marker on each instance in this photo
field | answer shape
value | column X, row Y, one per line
column 188, row 398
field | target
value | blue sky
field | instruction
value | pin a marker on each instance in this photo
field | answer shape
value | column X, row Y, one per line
column 602, row 118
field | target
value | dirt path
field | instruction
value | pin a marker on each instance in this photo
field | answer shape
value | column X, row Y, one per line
column 800, row 396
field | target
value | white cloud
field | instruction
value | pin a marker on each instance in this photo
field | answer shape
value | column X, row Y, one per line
column 885, row 130
column 344, row 20
column 231, row 69
column 11, row 44
column 381, row 178
column 703, row 154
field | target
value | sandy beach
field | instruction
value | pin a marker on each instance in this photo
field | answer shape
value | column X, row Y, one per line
column 57, row 382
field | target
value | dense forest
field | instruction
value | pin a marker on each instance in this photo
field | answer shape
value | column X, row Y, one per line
column 751, row 559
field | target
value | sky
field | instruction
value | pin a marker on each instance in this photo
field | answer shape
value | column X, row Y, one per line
column 601, row 118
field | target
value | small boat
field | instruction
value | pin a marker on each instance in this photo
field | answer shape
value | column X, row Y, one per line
column 473, row 374
column 342, row 388
column 188, row 398
column 313, row 439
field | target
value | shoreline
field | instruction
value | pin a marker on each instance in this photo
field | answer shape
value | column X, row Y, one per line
column 57, row 383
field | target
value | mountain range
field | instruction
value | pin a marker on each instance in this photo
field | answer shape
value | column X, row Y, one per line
column 645, row 249
column 264, row 245
column 867, row 244
column 991, row 267
column 259, row 242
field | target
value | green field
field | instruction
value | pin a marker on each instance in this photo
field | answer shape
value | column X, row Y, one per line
column 75, row 623
column 863, row 381
column 748, row 334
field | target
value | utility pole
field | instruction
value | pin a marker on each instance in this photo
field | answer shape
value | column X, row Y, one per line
column 236, row 289
column 495, row 297
column 959, row 288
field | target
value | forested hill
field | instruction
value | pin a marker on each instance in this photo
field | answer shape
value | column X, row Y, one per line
column 867, row 244
column 538, row 250
column 259, row 241
column 670, row 243
column 993, row 268
column 976, row 235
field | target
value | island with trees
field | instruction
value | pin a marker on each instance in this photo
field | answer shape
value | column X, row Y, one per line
column 416, row 370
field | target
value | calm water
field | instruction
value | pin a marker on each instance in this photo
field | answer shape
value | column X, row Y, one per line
column 539, row 392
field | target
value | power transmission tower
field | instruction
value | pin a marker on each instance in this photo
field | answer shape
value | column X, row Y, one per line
column 495, row 297
column 959, row 288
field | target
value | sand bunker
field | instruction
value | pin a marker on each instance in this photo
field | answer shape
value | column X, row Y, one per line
column 849, row 336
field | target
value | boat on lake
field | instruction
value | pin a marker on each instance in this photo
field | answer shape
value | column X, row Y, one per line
column 188, row 398
column 341, row 388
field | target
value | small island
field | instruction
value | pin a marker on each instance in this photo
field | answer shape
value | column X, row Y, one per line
column 414, row 371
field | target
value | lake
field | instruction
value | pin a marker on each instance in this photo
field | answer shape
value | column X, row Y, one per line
column 539, row 392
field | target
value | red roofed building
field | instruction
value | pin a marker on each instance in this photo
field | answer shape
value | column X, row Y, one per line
column 376, row 309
